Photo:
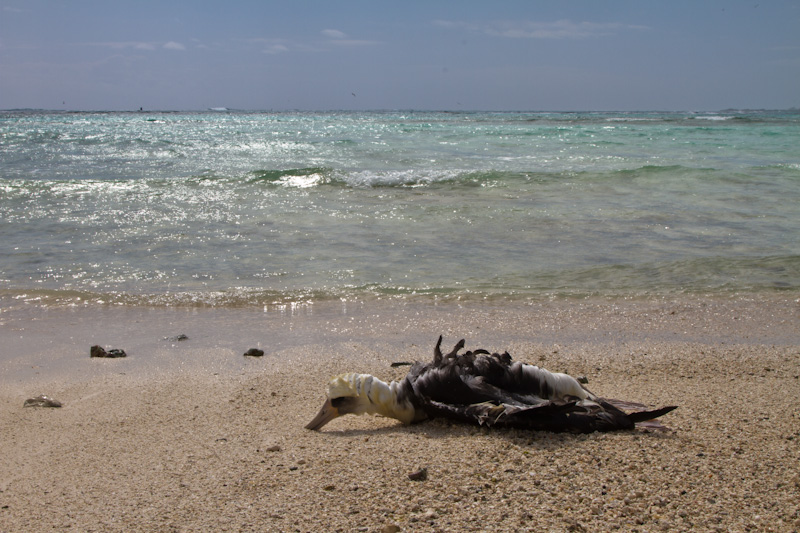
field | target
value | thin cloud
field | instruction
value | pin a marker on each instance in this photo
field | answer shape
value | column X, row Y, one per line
column 340, row 38
column 148, row 46
column 275, row 49
column 121, row 45
column 269, row 46
column 559, row 29
column 333, row 37
column 172, row 45
column 353, row 42
column 334, row 34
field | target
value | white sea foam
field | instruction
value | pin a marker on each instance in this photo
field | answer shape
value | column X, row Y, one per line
column 712, row 117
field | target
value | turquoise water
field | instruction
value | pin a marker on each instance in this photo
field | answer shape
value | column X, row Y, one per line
column 235, row 208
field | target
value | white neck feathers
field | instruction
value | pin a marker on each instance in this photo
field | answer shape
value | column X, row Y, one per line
column 375, row 396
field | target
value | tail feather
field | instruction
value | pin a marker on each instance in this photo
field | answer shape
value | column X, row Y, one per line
column 437, row 352
column 642, row 416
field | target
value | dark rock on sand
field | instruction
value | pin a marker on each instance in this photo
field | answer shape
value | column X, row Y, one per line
column 254, row 352
column 419, row 475
column 99, row 351
column 41, row 401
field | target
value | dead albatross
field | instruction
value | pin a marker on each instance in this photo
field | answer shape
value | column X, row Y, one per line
column 484, row 388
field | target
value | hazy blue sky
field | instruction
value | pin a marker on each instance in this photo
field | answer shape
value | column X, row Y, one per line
column 458, row 55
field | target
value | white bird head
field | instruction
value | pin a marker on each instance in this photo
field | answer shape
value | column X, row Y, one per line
column 359, row 394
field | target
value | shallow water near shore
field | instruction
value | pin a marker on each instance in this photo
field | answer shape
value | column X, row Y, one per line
column 253, row 209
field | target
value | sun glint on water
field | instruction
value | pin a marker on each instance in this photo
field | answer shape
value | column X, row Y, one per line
column 262, row 208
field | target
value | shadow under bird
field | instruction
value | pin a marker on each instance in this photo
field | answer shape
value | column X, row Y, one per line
column 487, row 389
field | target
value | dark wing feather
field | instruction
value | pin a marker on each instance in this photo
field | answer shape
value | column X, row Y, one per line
column 490, row 389
column 582, row 416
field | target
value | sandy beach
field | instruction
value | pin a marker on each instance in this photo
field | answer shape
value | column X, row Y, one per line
column 191, row 435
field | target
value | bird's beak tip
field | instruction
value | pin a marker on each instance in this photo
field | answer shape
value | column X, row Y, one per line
column 327, row 413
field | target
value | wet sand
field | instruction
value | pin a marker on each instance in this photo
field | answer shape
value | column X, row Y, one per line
column 192, row 436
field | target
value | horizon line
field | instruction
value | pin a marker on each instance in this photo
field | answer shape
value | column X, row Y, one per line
column 394, row 110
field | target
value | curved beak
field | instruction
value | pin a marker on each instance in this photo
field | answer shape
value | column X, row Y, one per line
column 327, row 413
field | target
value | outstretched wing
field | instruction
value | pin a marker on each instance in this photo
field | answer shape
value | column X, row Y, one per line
column 583, row 416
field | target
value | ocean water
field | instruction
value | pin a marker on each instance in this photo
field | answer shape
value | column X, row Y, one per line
column 275, row 209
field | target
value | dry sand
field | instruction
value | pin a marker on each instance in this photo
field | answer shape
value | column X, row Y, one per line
column 191, row 436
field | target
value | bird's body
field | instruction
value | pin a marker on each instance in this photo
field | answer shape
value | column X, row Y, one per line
column 483, row 388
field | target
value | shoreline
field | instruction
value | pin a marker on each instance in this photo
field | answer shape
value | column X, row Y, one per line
column 51, row 343
column 191, row 435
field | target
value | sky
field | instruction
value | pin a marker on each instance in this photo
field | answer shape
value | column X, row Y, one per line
column 388, row 54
